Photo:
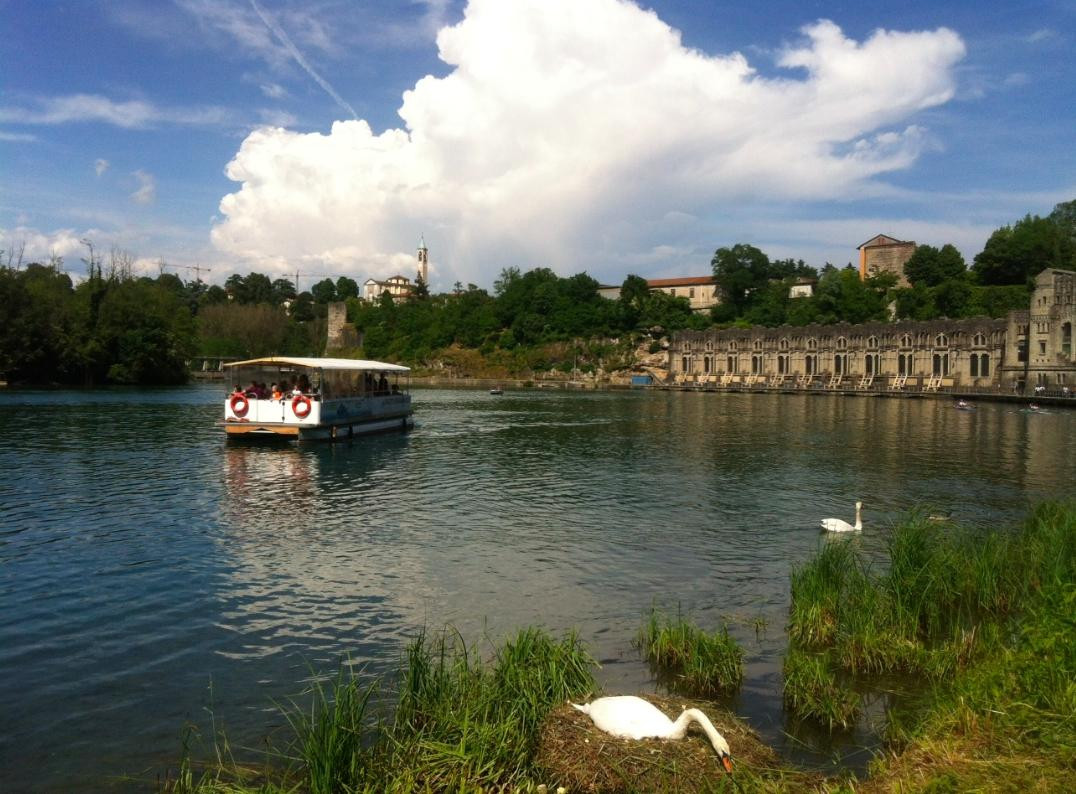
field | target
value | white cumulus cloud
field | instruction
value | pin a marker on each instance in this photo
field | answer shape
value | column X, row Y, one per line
column 100, row 165
column 574, row 133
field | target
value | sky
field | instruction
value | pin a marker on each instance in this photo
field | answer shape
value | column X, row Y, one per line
column 327, row 138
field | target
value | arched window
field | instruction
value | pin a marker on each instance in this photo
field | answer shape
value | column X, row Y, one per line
column 731, row 364
column 980, row 340
column 808, row 365
column 984, row 364
column 842, row 343
column 1066, row 339
column 783, row 344
column 837, row 364
column 812, row 344
column 975, row 365
column 706, row 365
column 941, row 340
column 732, row 345
column 757, row 344
column 872, row 342
column 906, row 340
column 683, row 364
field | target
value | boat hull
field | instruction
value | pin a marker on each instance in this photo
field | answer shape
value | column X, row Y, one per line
column 328, row 432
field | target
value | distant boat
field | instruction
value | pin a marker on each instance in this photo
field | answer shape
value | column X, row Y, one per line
column 496, row 390
column 963, row 405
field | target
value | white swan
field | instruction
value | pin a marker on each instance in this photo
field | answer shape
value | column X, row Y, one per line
column 634, row 718
column 836, row 525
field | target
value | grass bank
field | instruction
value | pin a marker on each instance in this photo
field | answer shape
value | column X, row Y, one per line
column 981, row 624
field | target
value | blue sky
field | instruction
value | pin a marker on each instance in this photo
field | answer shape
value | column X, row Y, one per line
column 583, row 135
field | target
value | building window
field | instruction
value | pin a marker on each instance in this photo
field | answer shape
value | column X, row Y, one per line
column 731, row 365
column 1042, row 347
column 808, row 365
column 980, row 340
column 842, row 343
column 906, row 340
column 975, row 365
column 691, row 292
column 672, row 292
column 941, row 340
column 984, row 364
column 683, row 364
column 706, row 365
column 783, row 344
column 872, row 341
column 812, row 344
column 1066, row 339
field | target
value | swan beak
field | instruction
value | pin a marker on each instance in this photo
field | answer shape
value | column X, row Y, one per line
column 727, row 763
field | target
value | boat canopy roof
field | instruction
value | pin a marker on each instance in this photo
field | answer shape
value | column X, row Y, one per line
column 321, row 363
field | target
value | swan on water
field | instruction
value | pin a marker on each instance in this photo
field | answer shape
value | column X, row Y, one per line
column 634, row 718
column 837, row 525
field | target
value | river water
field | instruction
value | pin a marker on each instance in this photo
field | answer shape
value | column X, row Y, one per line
column 152, row 573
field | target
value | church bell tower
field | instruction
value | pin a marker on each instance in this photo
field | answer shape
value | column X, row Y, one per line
column 423, row 261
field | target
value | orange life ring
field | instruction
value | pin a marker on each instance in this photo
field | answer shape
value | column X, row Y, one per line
column 239, row 404
column 301, row 400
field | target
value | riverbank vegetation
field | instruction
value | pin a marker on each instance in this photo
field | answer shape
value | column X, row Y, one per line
column 976, row 628
column 115, row 327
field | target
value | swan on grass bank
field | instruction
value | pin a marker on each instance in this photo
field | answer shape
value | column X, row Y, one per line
column 632, row 717
column 837, row 525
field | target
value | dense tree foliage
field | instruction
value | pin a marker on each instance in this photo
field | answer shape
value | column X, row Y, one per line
column 930, row 266
column 1016, row 254
column 114, row 329
column 526, row 311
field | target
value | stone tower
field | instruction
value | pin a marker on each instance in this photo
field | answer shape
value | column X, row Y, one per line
column 423, row 261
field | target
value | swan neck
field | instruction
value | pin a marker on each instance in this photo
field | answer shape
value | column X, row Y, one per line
column 859, row 519
column 716, row 739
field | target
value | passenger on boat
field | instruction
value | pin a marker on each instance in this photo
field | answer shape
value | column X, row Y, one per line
column 278, row 392
column 253, row 390
column 383, row 384
column 303, row 385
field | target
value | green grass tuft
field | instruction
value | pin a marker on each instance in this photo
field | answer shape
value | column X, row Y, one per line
column 692, row 660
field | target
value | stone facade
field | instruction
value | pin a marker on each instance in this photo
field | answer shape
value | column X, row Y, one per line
column 1040, row 339
column 702, row 292
column 977, row 353
column 884, row 254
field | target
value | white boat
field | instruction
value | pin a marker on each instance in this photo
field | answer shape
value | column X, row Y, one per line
column 303, row 399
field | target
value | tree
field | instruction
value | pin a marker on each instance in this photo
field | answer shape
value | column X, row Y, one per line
column 1016, row 254
column 739, row 271
column 282, row 290
column 324, row 291
column 930, row 266
column 346, row 288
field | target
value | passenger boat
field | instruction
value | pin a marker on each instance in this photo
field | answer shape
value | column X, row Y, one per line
column 301, row 399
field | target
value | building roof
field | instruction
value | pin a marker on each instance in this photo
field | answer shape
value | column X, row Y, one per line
column 883, row 239
column 689, row 281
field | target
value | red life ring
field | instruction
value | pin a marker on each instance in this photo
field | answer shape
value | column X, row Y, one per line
column 301, row 401
column 239, row 404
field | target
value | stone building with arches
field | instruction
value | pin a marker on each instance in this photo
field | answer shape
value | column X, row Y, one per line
column 1024, row 350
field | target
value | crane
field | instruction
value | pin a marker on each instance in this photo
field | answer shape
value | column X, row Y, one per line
column 196, row 268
